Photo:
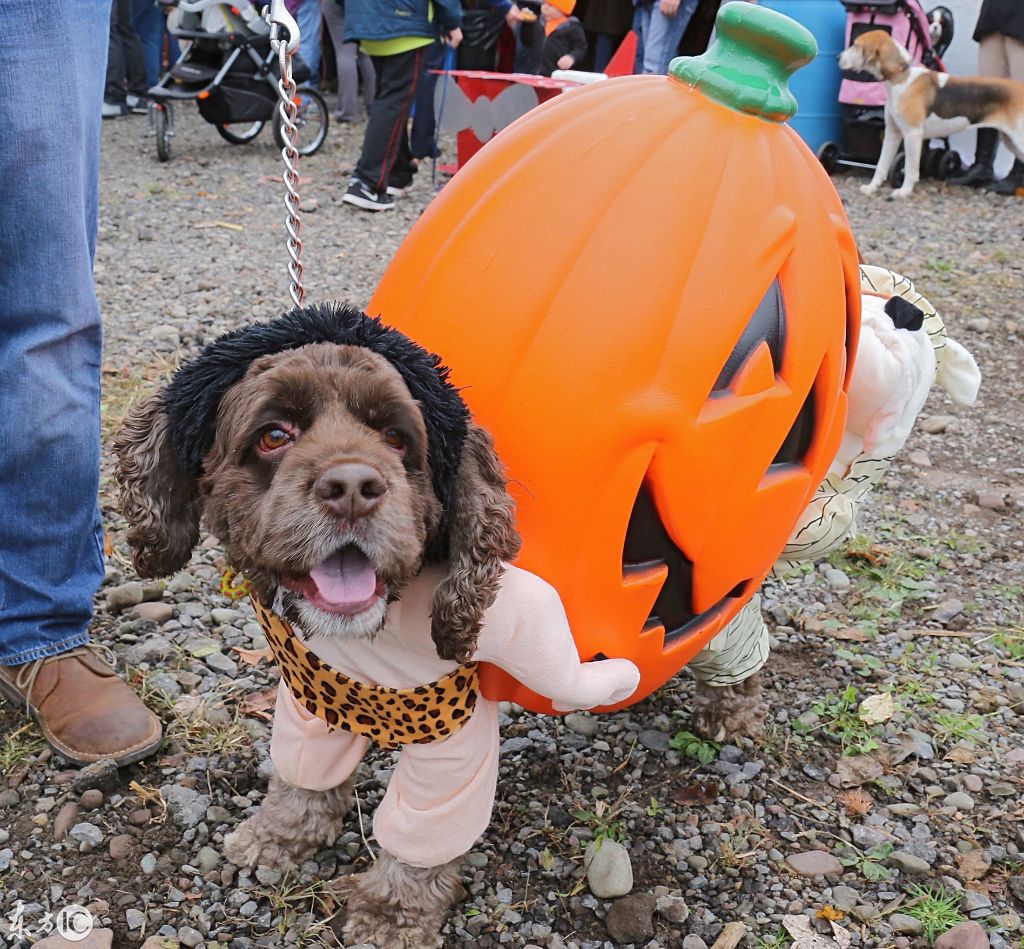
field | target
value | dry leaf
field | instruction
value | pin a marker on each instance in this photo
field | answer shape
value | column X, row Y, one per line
column 258, row 703
column 832, row 914
column 108, row 545
column 804, row 937
column 703, row 793
column 850, row 634
column 857, row 801
column 961, row 754
column 876, row 709
column 252, row 657
column 973, row 865
column 203, row 225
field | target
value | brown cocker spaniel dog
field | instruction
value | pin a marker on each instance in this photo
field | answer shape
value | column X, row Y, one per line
column 332, row 459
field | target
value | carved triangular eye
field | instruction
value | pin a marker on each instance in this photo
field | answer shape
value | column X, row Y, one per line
column 648, row 547
column 767, row 325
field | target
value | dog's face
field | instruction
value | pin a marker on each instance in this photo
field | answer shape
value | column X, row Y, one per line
column 319, row 486
column 318, row 482
column 877, row 53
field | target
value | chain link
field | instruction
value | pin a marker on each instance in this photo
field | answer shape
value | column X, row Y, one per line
column 277, row 16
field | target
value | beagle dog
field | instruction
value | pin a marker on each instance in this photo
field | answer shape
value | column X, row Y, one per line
column 922, row 103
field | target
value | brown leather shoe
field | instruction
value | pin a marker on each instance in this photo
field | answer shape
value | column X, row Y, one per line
column 84, row 709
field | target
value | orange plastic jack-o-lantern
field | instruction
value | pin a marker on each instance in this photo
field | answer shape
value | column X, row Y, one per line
column 647, row 289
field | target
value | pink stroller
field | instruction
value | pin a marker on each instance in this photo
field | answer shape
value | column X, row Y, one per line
column 862, row 97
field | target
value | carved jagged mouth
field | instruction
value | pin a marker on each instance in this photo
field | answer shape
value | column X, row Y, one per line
column 649, row 546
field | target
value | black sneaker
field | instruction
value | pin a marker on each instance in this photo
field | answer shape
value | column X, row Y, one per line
column 361, row 195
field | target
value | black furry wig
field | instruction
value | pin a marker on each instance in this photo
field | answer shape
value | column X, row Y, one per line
column 193, row 395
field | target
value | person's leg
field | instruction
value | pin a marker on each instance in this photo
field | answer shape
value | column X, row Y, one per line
column 664, row 34
column 424, row 125
column 367, row 76
column 115, row 91
column 641, row 26
column 134, row 61
column 308, row 20
column 1003, row 56
column 604, row 49
column 334, row 24
column 396, row 88
column 148, row 22
column 51, row 547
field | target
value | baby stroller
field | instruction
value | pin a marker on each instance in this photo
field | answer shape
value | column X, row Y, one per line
column 227, row 66
column 926, row 37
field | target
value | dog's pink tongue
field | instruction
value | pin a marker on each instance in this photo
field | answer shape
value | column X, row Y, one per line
column 346, row 578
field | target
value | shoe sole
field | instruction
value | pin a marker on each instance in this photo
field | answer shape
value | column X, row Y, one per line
column 130, row 756
column 366, row 204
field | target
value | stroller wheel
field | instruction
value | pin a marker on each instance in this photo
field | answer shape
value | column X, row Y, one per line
column 898, row 170
column 828, row 155
column 311, row 120
column 951, row 164
column 239, row 133
column 163, row 124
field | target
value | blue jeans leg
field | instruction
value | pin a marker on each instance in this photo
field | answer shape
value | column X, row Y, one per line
column 51, row 547
column 150, row 24
column 308, row 19
column 663, row 34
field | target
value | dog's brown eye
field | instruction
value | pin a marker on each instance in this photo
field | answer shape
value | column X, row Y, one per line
column 394, row 439
column 274, row 438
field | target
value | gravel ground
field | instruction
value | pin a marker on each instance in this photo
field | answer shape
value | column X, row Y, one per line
column 827, row 818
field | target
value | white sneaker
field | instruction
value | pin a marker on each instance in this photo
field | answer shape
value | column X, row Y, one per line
column 113, row 110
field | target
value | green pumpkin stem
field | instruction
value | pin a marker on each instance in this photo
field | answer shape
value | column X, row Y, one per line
column 748, row 65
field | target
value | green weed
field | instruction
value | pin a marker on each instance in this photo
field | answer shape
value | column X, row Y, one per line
column 693, row 746
column 869, row 863
column 936, row 907
column 839, row 720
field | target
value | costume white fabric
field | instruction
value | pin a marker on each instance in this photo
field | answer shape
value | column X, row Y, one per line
column 894, row 371
column 440, row 795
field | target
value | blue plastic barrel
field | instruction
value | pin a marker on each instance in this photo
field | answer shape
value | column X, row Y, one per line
column 816, row 86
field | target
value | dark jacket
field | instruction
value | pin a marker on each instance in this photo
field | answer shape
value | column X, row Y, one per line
column 568, row 37
column 1000, row 16
column 389, row 19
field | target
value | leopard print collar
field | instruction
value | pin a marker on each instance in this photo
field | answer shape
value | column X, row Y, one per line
column 388, row 717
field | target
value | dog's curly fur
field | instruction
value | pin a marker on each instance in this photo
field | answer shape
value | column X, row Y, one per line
column 723, row 713
column 329, row 405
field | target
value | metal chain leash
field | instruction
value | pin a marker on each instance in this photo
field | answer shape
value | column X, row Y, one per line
column 277, row 16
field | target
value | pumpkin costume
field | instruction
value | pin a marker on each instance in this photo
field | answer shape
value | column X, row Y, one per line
column 904, row 349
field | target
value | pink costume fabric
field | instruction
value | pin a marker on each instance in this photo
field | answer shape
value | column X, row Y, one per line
column 440, row 796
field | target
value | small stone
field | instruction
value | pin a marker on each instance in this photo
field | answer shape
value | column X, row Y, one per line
column 836, row 578
column 267, row 876
column 224, row 617
column 814, row 863
column 86, row 833
column 631, row 919
column 101, row 775
column 190, row 937
column 9, row 798
column 973, row 783
column 694, row 942
column 947, row 610
column 961, row 800
column 991, row 501
column 976, row 905
column 609, row 871
column 979, row 324
column 585, row 725
column 672, row 908
column 140, row 817
column 124, row 596
column 91, row 799
column 148, row 863
column 120, row 846
column 207, row 859
column 653, row 740
column 477, row 860
column 919, row 458
column 969, row 935
column 936, row 424
column 907, row 925
column 217, row 814
column 159, row 613
column 6, row 856
column 844, row 898
column 187, row 806
column 135, row 919
column 909, row 864
column 222, row 664
column 64, row 820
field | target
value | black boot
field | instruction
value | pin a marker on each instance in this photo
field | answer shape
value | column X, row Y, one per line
column 980, row 173
column 1012, row 183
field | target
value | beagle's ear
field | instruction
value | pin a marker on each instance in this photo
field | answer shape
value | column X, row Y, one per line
column 159, row 498
column 481, row 537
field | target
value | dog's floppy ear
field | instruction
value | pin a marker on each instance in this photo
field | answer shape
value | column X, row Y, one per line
column 481, row 535
column 159, row 498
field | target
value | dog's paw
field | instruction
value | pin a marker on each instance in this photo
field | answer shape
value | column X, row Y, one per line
column 868, row 189
column 365, row 925
column 902, row 193
column 253, row 845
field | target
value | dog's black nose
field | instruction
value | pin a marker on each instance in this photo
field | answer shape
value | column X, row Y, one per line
column 350, row 490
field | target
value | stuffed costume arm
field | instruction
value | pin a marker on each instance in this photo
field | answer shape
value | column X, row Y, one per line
column 527, row 634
